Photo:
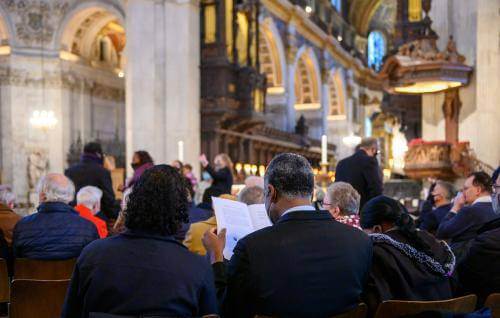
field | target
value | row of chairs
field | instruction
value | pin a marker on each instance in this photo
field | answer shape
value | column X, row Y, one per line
column 39, row 288
column 402, row 308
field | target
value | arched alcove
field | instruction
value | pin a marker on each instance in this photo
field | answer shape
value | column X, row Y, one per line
column 271, row 55
column 336, row 100
column 307, row 80
column 95, row 33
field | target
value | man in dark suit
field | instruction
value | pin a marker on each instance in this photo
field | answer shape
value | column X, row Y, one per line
column 90, row 172
column 305, row 265
column 471, row 209
column 440, row 197
column 361, row 170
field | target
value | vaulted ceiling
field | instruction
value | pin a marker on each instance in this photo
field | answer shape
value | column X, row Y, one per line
column 367, row 15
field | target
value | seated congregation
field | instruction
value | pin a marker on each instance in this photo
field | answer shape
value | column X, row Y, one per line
column 164, row 257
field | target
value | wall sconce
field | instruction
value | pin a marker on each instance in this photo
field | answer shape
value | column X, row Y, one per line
column 262, row 170
column 238, row 167
column 254, row 169
column 247, row 168
column 43, row 120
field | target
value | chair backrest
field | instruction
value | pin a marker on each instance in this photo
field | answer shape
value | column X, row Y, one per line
column 37, row 298
column 4, row 282
column 358, row 312
column 493, row 302
column 43, row 269
column 104, row 315
column 398, row 308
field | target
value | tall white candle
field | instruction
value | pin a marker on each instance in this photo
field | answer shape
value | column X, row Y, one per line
column 180, row 151
column 324, row 149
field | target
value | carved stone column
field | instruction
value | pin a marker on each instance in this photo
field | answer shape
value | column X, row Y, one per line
column 291, row 52
column 451, row 112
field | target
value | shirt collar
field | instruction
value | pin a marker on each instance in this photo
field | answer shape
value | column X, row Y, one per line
column 300, row 208
column 483, row 199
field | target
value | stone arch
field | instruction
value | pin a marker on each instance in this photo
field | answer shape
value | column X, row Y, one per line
column 272, row 56
column 6, row 30
column 336, row 96
column 94, row 31
column 307, row 80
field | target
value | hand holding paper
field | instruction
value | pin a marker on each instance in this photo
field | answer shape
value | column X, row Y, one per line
column 239, row 220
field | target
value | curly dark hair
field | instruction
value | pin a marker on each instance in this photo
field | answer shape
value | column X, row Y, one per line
column 158, row 203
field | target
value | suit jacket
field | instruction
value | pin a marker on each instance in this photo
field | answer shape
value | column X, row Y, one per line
column 461, row 227
column 363, row 173
column 479, row 272
column 137, row 273
column 306, row 265
column 90, row 173
column 431, row 220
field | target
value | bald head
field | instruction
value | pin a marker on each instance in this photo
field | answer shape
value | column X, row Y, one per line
column 55, row 187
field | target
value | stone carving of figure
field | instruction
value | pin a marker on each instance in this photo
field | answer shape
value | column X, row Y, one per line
column 38, row 164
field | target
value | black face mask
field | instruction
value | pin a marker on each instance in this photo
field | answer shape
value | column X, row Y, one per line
column 135, row 165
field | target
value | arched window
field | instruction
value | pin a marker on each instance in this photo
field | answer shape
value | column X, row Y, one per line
column 337, row 4
column 376, row 49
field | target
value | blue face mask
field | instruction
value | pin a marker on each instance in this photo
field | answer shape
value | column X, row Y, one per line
column 206, row 176
column 495, row 198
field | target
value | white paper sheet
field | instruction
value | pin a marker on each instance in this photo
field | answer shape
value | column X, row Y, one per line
column 235, row 218
column 259, row 216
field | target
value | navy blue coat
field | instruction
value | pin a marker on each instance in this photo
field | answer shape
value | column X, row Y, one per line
column 432, row 219
column 56, row 231
column 306, row 265
column 135, row 273
column 460, row 228
column 88, row 172
column 479, row 272
column 363, row 173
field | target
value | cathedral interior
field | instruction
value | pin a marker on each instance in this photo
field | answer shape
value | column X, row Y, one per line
column 251, row 78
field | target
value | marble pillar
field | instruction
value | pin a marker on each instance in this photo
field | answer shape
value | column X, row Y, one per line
column 162, row 79
column 290, row 77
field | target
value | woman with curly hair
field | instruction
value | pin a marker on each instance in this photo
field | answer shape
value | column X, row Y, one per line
column 144, row 271
column 408, row 264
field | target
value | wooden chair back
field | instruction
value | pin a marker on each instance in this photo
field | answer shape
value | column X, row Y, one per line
column 493, row 302
column 104, row 315
column 37, row 298
column 358, row 312
column 398, row 308
column 43, row 269
column 4, row 282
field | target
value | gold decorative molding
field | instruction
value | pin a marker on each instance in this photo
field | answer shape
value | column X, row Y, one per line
column 292, row 14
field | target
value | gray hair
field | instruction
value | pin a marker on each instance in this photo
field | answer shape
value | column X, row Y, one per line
column 56, row 188
column 291, row 175
column 89, row 196
column 345, row 197
column 368, row 142
column 7, row 197
column 251, row 195
column 448, row 187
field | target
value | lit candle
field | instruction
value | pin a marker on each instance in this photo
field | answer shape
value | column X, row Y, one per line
column 180, row 151
column 324, row 149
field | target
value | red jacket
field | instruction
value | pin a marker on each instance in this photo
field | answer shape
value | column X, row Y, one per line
column 86, row 213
